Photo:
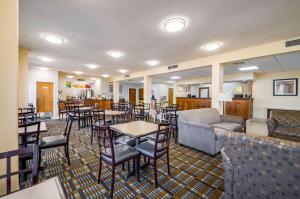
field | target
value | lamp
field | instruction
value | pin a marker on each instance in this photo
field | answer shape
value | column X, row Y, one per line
column 225, row 97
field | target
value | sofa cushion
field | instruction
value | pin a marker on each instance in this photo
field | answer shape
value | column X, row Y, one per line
column 219, row 133
column 229, row 126
column 285, row 118
column 289, row 131
column 203, row 116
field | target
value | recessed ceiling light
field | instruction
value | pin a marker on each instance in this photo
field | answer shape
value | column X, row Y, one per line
column 43, row 68
column 212, row 46
column 70, row 76
column 78, row 72
column 92, row 66
column 45, row 59
column 175, row 77
column 248, row 68
column 53, row 38
column 152, row 62
column 169, row 82
column 174, row 25
column 115, row 53
column 93, row 78
column 142, row 81
column 105, row 75
column 123, row 71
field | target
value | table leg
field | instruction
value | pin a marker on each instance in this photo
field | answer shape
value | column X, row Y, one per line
column 137, row 141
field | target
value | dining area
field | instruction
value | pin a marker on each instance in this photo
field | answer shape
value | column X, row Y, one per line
column 121, row 137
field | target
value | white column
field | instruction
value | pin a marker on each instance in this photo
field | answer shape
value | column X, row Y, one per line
column 147, row 89
column 23, row 78
column 175, row 91
column 116, row 91
column 9, row 85
column 217, row 86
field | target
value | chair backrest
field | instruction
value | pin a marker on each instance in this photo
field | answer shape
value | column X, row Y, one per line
column 162, row 138
column 105, row 141
column 19, row 152
column 31, row 133
column 61, row 106
column 99, row 116
column 68, row 127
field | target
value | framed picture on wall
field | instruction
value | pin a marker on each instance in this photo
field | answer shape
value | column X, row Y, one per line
column 285, row 87
column 204, row 92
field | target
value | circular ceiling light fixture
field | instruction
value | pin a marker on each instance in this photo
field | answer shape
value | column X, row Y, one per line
column 45, row 59
column 92, row 66
column 53, row 38
column 174, row 25
column 115, row 53
column 43, row 68
column 70, row 76
column 175, row 77
column 152, row 62
column 78, row 72
column 105, row 75
column 212, row 46
column 123, row 70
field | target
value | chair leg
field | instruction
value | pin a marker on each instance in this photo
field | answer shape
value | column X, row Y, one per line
column 128, row 166
column 78, row 123
column 58, row 116
column 138, row 168
column 40, row 158
column 123, row 166
column 155, row 173
column 67, row 153
column 92, row 135
column 112, row 182
column 99, row 173
column 168, row 164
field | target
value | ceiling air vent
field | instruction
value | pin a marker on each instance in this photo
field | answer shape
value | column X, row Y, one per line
column 172, row 67
column 239, row 63
column 291, row 43
column 80, row 80
column 127, row 76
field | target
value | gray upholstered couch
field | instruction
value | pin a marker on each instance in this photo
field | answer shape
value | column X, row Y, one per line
column 284, row 124
column 203, row 129
column 260, row 167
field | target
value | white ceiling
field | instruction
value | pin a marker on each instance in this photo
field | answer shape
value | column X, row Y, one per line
column 133, row 26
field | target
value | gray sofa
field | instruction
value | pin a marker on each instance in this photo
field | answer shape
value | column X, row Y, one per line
column 260, row 167
column 203, row 129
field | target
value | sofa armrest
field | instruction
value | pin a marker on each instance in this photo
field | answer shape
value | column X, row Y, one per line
column 233, row 119
column 272, row 125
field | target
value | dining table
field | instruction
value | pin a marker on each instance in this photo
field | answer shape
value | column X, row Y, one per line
column 114, row 114
column 49, row 189
column 136, row 130
column 32, row 129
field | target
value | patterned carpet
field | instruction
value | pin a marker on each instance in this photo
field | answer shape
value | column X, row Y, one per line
column 193, row 174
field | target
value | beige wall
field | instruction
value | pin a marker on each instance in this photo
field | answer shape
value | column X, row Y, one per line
column 263, row 93
column 23, row 78
column 8, row 79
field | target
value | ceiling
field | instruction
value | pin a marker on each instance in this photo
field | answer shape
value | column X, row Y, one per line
column 134, row 27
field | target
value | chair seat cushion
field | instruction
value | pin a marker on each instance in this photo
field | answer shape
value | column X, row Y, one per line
column 288, row 131
column 147, row 148
column 123, row 152
column 52, row 141
column 128, row 140
column 228, row 126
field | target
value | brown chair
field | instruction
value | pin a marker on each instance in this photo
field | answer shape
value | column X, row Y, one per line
column 19, row 152
column 158, row 148
column 114, row 155
column 61, row 110
column 58, row 140
column 98, row 119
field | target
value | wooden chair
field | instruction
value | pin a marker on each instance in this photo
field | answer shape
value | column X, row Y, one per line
column 157, row 149
column 19, row 152
column 141, row 112
column 112, row 154
column 58, row 140
column 98, row 119
column 61, row 110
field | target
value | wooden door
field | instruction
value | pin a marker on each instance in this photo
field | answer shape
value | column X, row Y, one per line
column 44, row 97
column 132, row 95
column 141, row 94
column 170, row 96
